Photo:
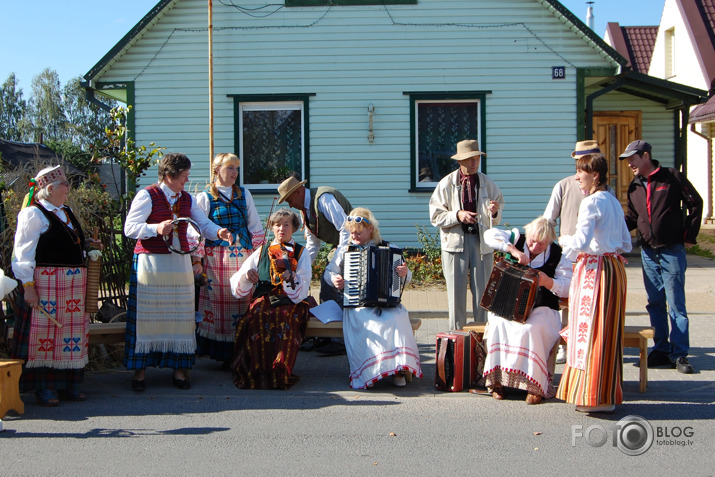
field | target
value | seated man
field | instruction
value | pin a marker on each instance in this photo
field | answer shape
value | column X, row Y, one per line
column 519, row 355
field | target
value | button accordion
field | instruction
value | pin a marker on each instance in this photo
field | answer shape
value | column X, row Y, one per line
column 370, row 275
column 511, row 291
column 460, row 361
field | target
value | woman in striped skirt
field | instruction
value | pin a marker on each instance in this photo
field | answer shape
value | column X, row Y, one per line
column 160, row 316
column 230, row 206
column 597, row 299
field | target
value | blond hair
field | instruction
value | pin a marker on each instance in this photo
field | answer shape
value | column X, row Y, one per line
column 354, row 226
column 225, row 158
column 540, row 229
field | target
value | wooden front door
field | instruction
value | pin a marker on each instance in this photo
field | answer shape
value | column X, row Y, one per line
column 614, row 130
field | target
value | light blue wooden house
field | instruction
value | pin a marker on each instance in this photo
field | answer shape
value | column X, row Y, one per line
column 371, row 97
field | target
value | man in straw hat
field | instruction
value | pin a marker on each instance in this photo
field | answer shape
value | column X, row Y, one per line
column 563, row 208
column 325, row 212
column 462, row 206
column 666, row 209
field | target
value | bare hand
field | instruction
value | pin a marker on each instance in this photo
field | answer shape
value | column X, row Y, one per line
column 252, row 275
column 165, row 227
column 401, row 270
column 31, row 296
column 197, row 268
column 521, row 256
column 287, row 276
column 225, row 234
column 689, row 245
column 338, row 282
column 467, row 217
column 493, row 207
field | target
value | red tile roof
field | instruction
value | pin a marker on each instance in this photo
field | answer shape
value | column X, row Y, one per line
column 639, row 41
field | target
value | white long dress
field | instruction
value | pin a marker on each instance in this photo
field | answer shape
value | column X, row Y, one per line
column 379, row 341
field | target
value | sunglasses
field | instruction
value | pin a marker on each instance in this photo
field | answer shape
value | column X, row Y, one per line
column 357, row 219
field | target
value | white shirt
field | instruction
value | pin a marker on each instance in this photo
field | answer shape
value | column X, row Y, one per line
column 601, row 228
column 333, row 211
column 136, row 226
column 31, row 223
column 498, row 239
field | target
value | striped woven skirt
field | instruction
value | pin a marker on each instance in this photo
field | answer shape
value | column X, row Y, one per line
column 267, row 342
column 220, row 310
column 600, row 383
column 160, row 315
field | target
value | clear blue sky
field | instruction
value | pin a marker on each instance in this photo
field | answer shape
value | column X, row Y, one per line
column 71, row 36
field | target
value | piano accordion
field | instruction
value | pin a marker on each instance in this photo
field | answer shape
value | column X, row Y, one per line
column 371, row 277
column 511, row 291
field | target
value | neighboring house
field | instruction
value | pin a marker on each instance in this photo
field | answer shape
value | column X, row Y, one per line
column 371, row 97
column 683, row 51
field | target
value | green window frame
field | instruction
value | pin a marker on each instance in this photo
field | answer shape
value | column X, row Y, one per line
column 438, row 122
column 320, row 3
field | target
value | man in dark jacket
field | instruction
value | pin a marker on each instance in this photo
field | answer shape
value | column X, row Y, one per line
column 656, row 198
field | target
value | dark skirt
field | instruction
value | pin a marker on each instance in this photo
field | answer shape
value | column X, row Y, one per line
column 267, row 342
column 39, row 378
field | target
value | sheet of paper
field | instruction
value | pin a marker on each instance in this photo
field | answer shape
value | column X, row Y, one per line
column 328, row 311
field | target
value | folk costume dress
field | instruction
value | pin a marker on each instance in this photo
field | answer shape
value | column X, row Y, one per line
column 519, row 355
column 49, row 250
column 379, row 340
column 597, row 300
column 220, row 311
column 269, row 335
column 160, row 317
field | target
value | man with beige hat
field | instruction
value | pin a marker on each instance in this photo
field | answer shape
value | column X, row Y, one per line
column 464, row 203
column 563, row 207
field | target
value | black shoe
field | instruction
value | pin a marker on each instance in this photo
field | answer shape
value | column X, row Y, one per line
column 138, row 386
column 683, row 366
column 182, row 384
column 658, row 358
column 332, row 349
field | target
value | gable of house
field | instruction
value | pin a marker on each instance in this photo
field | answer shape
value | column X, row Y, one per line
column 635, row 43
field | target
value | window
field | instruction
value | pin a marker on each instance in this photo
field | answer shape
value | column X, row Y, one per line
column 669, row 53
column 439, row 122
column 271, row 139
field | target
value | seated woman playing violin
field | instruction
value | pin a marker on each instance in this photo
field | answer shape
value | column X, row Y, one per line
column 277, row 279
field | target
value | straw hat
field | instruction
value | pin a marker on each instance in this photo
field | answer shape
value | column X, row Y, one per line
column 468, row 148
column 287, row 187
column 584, row 148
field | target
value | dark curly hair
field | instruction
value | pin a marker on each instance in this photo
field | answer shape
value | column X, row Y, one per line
column 173, row 164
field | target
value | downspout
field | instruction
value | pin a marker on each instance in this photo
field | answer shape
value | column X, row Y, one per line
column 709, row 202
column 89, row 96
column 589, row 105
column 211, row 91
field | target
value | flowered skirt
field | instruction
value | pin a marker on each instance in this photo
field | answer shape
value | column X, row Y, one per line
column 267, row 342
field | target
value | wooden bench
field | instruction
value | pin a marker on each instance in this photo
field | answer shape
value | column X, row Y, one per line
column 633, row 337
column 10, row 371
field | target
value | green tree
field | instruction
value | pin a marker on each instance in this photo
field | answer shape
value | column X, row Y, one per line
column 12, row 109
column 86, row 121
column 46, row 118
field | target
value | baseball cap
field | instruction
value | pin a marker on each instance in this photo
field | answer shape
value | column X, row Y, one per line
column 636, row 147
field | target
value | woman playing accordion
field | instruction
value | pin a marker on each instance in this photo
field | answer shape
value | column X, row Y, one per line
column 277, row 279
column 519, row 355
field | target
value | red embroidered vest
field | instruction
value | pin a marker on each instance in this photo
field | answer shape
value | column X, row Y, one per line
column 161, row 211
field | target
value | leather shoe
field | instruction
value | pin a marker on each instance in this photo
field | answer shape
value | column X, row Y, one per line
column 658, row 358
column 333, row 348
column 182, row 384
column 138, row 386
column 683, row 366
column 72, row 396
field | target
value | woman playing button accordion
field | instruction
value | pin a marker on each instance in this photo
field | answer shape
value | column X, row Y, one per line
column 276, row 278
column 519, row 355
column 379, row 340
column 597, row 300
column 160, row 316
column 230, row 206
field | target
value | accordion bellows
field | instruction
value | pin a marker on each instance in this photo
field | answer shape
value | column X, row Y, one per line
column 511, row 291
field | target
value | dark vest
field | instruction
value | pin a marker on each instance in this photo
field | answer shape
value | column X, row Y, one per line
column 545, row 297
column 319, row 223
column 161, row 211
column 233, row 216
column 60, row 246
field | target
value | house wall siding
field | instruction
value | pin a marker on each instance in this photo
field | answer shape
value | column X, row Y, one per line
column 350, row 57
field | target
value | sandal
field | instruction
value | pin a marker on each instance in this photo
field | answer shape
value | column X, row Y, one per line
column 533, row 398
column 68, row 395
column 498, row 393
column 47, row 398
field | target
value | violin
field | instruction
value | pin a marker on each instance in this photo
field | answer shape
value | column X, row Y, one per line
column 282, row 259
